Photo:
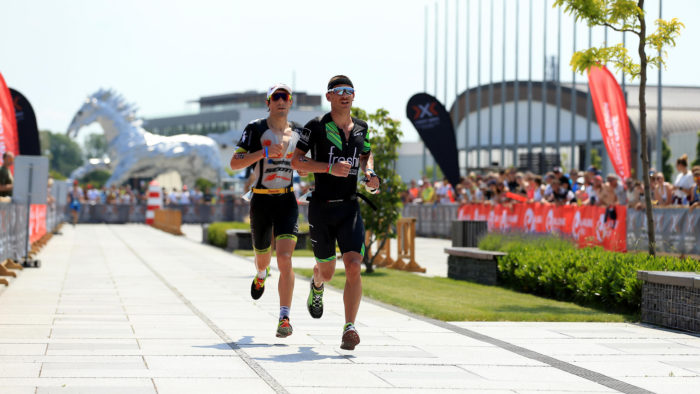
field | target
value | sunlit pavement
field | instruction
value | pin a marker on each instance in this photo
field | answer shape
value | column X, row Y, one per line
column 130, row 309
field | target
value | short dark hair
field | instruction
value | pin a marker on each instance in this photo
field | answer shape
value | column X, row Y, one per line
column 339, row 80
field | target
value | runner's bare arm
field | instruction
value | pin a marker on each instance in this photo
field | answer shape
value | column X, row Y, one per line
column 302, row 163
column 367, row 163
column 243, row 159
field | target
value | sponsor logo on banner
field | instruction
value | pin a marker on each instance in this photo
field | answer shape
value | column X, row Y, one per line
column 434, row 126
column 586, row 224
column 529, row 220
column 611, row 113
column 601, row 230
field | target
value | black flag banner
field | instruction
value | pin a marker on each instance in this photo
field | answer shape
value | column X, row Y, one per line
column 435, row 128
column 27, row 130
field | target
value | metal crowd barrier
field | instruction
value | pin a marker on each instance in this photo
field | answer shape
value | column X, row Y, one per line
column 14, row 227
column 228, row 211
column 432, row 220
column 677, row 229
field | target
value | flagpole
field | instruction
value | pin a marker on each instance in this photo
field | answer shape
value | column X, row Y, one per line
column 503, row 91
column 490, row 153
column 544, row 92
column 516, row 92
column 466, row 95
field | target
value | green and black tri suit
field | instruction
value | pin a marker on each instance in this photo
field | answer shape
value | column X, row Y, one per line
column 334, row 213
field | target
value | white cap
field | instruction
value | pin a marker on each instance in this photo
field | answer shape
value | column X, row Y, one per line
column 276, row 87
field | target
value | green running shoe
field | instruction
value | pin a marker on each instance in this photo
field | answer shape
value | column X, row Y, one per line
column 315, row 301
column 284, row 329
column 257, row 288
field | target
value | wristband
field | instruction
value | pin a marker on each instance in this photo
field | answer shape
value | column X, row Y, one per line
column 371, row 172
column 330, row 168
column 265, row 153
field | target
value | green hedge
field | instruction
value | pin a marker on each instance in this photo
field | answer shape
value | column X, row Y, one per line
column 216, row 234
column 554, row 267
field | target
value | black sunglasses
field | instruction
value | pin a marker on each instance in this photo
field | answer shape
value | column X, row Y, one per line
column 280, row 95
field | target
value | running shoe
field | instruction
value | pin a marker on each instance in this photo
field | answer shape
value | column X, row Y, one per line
column 258, row 286
column 315, row 302
column 350, row 338
column 284, row 329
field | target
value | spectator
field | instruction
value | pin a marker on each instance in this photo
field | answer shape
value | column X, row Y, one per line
column 594, row 191
column 618, row 189
column 173, row 197
column 537, row 189
column 582, row 189
column 93, row 195
column 413, row 191
column 428, row 193
column 198, row 196
column 573, row 178
column 696, row 190
column 6, row 180
column 608, row 193
column 548, row 179
column 561, row 193
column 184, row 196
column 683, row 186
column 661, row 191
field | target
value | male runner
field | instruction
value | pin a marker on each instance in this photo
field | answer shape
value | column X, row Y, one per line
column 273, row 207
column 339, row 149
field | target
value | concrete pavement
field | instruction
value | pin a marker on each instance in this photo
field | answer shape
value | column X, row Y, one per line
column 130, row 309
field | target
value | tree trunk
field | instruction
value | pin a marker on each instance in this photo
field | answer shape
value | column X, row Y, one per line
column 643, row 127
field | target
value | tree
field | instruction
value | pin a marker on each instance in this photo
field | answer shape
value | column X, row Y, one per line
column 95, row 146
column 626, row 16
column 96, row 178
column 596, row 160
column 667, row 170
column 64, row 154
column 428, row 173
column 697, row 152
column 384, row 133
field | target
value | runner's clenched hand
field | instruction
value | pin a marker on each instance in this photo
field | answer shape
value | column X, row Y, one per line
column 341, row 169
column 275, row 150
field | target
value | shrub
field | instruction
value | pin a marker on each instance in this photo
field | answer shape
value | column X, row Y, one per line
column 216, row 234
column 554, row 267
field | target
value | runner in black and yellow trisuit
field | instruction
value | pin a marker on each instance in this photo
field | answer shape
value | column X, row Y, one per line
column 268, row 144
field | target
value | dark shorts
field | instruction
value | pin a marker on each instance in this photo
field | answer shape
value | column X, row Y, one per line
column 75, row 205
column 272, row 212
column 335, row 221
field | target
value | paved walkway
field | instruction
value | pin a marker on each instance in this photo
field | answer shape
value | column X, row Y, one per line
column 129, row 309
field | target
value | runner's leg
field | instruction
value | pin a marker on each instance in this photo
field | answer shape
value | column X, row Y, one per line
column 352, row 294
column 285, row 285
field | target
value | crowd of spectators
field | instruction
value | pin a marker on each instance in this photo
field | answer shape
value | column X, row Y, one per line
column 557, row 187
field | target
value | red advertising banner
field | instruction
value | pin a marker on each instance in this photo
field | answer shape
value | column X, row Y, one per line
column 611, row 113
column 587, row 225
column 37, row 222
column 8, row 125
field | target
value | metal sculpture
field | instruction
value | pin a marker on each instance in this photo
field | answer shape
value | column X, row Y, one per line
column 135, row 152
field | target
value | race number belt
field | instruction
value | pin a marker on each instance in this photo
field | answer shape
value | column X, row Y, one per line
column 274, row 191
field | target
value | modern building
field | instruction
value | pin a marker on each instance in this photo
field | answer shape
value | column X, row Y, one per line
column 226, row 112
column 223, row 117
column 515, row 132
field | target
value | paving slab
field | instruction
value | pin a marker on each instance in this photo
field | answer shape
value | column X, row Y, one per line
column 130, row 309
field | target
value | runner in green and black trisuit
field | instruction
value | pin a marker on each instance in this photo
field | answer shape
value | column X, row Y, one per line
column 340, row 149
column 268, row 144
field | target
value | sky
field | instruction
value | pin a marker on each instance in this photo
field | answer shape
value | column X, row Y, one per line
column 160, row 54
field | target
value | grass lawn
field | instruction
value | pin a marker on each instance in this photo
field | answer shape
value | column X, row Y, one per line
column 297, row 253
column 455, row 300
